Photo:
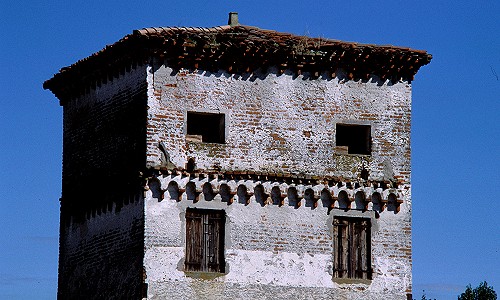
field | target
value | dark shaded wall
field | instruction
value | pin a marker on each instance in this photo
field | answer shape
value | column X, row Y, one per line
column 102, row 219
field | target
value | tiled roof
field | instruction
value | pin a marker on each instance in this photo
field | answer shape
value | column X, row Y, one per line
column 238, row 49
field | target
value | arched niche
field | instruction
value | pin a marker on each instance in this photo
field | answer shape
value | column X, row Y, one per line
column 377, row 204
column 343, row 199
column 276, row 196
column 191, row 165
column 260, row 195
column 309, row 198
column 225, row 193
column 293, row 198
column 155, row 188
column 191, row 193
column 173, row 191
column 392, row 203
column 208, row 192
column 242, row 193
column 360, row 200
column 326, row 198
column 110, row 206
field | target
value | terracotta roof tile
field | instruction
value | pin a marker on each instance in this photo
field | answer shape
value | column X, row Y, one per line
column 269, row 48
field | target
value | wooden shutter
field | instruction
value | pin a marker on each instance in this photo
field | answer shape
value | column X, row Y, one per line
column 214, row 240
column 352, row 252
column 341, row 248
column 205, row 240
column 361, row 249
column 194, row 238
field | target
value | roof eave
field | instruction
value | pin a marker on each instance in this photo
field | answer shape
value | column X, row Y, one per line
column 215, row 49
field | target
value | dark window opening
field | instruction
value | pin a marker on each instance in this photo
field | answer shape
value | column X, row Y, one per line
column 205, row 240
column 206, row 127
column 352, row 248
column 357, row 138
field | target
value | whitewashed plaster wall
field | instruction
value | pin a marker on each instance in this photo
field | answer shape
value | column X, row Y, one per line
column 277, row 124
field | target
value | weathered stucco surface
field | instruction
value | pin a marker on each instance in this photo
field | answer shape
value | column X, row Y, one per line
column 278, row 247
column 278, row 125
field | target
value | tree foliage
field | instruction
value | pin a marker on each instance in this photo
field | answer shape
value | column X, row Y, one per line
column 482, row 292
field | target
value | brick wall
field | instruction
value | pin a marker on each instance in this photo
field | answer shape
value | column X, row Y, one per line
column 281, row 124
column 277, row 124
column 104, row 141
column 101, row 257
column 102, row 223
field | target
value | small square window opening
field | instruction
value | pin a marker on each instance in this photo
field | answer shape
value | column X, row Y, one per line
column 206, row 127
column 357, row 138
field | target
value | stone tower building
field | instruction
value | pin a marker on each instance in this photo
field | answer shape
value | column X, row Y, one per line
column 236, row 162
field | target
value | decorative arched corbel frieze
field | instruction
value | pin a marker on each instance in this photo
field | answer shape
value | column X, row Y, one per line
column 266, row 190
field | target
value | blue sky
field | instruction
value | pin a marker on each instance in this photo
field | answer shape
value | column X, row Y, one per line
column 455, row 138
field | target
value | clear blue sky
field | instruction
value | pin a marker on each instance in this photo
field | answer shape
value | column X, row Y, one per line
column 456, row 235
